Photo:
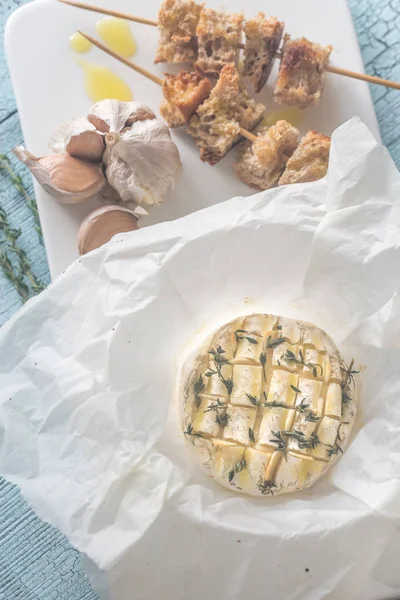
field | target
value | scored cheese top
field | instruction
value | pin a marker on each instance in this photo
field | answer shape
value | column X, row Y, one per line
column 267, row 404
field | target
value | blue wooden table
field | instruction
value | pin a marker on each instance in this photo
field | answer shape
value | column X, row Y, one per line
column 36, row 561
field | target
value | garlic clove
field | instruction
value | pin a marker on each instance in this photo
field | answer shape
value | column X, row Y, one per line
column 102, row 224
column 79, row 139
column 113, row 115
column 64, row 177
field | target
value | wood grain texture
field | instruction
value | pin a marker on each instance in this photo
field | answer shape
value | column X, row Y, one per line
column 36, row 561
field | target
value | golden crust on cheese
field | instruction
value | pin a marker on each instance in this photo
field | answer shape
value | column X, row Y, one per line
column 267, row 404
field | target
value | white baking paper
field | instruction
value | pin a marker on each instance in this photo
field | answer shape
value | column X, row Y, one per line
column 88, row 416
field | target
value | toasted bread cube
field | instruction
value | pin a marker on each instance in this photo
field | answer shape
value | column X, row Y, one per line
column 309, row 162
column 263, row 36
column 177, row 22
column 300, row 78
column 218, row 35
column 261, row 163
column 183, row 94
column 215, row 126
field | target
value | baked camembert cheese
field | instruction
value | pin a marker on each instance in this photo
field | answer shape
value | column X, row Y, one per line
column 267, row 404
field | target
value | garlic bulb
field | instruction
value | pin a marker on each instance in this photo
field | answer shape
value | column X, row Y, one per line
column 141, row 161
column 114, row 115
column 79, row 139
column 65, row 178
column 102, row 224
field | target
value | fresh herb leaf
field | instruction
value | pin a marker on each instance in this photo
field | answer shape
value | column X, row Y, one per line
column 253, row 400
column 251, row 435
column 279, row 441
column 295, row 389
column 247, row 337
column 266, row 487
column 231, row 475
column 215, row 406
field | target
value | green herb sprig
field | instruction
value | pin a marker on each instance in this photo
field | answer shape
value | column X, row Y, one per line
column 266, row 487
column 303, row 441
column 17, row 182
column 221, row 419
column 247, row 337
column 219, row 362
column 291, row 357
column 236, row 469
column 189, row 431
column 23, row 276
column 198, row 387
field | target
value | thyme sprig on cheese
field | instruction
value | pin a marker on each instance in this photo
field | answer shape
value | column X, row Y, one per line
column 247, row 337
column 240, row 465
column 219, row 362
column 198, row 387
column 301, row 408
column 221, row 419
column 303, row 441
column 290, row 357
column 266, row 487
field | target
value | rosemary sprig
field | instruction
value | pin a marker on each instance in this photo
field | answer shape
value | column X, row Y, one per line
column 198, row 387
column 236, row 469
column 11, row 236
column 247, row 337
column 266, row 487
column 291, row 357
column 15, row 279
column 219, row 361
column 303, row 441
column 17, row 182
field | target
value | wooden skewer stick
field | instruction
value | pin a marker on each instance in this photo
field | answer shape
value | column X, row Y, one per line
column 111, row 13
column 126, row 62
column 247, row 134
column 329, row 68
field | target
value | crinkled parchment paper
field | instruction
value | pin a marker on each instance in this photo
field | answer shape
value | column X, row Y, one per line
column 88, row 371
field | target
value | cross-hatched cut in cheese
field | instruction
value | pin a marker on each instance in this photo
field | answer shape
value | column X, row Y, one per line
column 280, row 357
column 205, row 420
column 281, row 387
column 268, row 427
column 247, row 380
column 333, row 402
column 273, row 420
column 327, row 435
column 310, row 393
column 292, row 472
column 256, row 466
column 260, row 324
column 226, row 458
column 248, row 350
column 316, row 363
column 214, row 384
column 291, row 330
column 240, row 420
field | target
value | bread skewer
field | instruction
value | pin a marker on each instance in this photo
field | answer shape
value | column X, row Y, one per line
column 329, row 68
column 247, row 134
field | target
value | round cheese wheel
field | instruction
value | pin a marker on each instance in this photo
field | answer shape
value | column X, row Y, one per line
column 267, row 404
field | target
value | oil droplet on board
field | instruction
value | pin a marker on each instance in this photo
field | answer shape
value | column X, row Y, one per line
column 79, row 43
column 101, row 83
column 293, row 115
column 117, row 35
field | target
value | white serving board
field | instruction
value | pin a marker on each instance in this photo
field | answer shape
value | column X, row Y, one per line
column 49, row 90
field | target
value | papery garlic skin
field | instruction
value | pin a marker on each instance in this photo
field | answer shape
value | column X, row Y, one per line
column 114, row 115
column 67, row 179
column 144, row 163
column 79, row 139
